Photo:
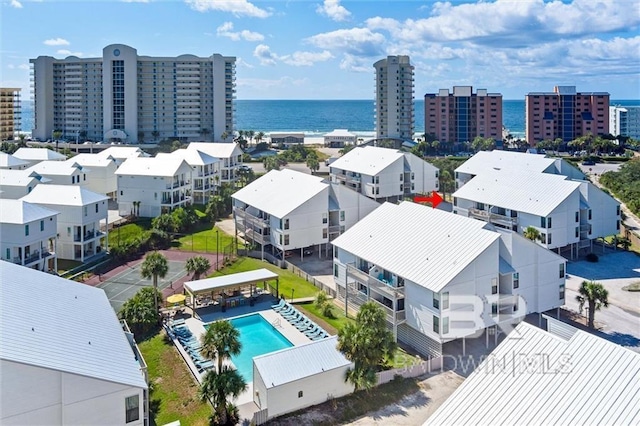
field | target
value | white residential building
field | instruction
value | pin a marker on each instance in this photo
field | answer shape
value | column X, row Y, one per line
column 205, row 174
column 339, row 138
column 69, row 361
column 394, row 108
column 624, row 121
column 537, row 378
column 441, row 277
column 9, row 162
column 101, row 177
column 384, row 174
column 36, row 155
column 79, row 223
column 149, row 187
column 122, row 153
column 299, row 377
column 286, row 210
column 28, row 235
column 568, row 214
column 486, row 161
column 16, row 184
column 180, row 97
column 62, row 172
column 230, row 155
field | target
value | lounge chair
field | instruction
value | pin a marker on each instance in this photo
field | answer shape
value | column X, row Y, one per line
column 291, row 316
column 305, row 327
column 319, row 336
column 177, row 322
column 279, row 306
column 288, row 310
column 314, row 333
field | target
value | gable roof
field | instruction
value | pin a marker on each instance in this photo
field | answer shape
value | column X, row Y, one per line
column 92, row 160
column 20, row 177
column 298, row 362
column 427, row 246
column 534, row 193
column 7, row 160
column 216, row 149
column 20, row 212
column 63, row 195
column 58, row 168
column 484, row 161
column 165, row 166
column 279, row 192
column 193, row 157
column 122, row 152
column 535, row 377
column 38, row 154
column 368, row 160
column 70, row 327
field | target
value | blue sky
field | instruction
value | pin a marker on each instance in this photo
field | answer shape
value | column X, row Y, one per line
column 315, row 49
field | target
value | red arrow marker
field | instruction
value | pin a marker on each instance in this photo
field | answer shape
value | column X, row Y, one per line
column 435, row 199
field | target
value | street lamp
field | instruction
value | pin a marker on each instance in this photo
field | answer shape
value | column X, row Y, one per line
column 292, row 290
column 217, row 248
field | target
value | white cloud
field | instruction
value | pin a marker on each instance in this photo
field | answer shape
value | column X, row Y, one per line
column 68, row 53
column 241, row 63
column 261, row 84
column 333, row 10
column 56, row 42
column 263, row 53
column 306, row 59
column 236, row 7
column 23, row 67
column 16, row 4
column 226, row 30
column 356, row 41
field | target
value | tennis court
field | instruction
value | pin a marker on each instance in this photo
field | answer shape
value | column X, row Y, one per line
column 127, row 283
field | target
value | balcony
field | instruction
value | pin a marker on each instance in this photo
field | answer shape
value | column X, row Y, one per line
column 490, row 217
column 177, row 184
column 88, row 236
column 247, row 220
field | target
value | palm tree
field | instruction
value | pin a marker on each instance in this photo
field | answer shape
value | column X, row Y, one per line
column 531, row 233
column 259, row 136
column 217, row 386
column 250, row 134
column 197, row 266
column 205, row 132
column 224, row 136
column 140, row 136
column 155, row 265
column 155, row 134
column 222, row 340
column 312, row 162
column 595, row 296
column 57, row 134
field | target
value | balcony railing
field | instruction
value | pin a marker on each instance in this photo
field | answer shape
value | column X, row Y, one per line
column 488, row 216
column 250, row 220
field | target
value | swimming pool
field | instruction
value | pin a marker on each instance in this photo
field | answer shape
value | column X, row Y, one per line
column 258, row 337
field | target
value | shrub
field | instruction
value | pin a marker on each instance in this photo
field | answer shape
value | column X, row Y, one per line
column 592, row 257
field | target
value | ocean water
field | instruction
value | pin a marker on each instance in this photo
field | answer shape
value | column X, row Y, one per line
column 316, row 117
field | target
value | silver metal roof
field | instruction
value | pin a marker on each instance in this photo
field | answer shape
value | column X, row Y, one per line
column 63, row 195
column 217, row 149
column 8, row 160
column 20, row 212
column 425, row 245
column 535, row 193
column 279, row 192
column 536, row 378
column 485, row 161
column 38, row 154
column 368, row 160
column 49, row 322
column 299, row 362
column 230, row 280
column 164, row 166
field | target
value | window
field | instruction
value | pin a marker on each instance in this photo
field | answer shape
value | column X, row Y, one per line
column 436, row 324
column 455, row 201
column 300, row 393
column 401, row 177
column 577, row 217
column 543, row 238
column 342, row 216
column 324, row 218
column 377, row 179
column 121, row 192
column 335, row 270
column 589, row 214
column 286, row 239
column 68, row 231
column 445, row 325
column 548, row 222
column 516, row 279
column 577, row 232
column 549, row 238
column 617, row 210
column 436, row 300
column 494, row 286
column 86, row 211
column 325, row 232
column 26, row 230
column 42, row 225
column 413, row 176
column 494, row 309
column 286, row 224
column 445, row 300
column 561, row 293
column 617, row 224
column 8, row 253
column 84, row 177
column 561, row 271
column 132, row 408
column 96, row 207
column 543, row 222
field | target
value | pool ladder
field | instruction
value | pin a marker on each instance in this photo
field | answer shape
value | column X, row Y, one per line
column 276, row 323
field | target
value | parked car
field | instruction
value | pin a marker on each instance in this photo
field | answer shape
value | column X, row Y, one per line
column 308, row 251
column 588, row 163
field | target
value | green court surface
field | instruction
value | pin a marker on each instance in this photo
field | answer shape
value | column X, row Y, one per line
column 124, row 285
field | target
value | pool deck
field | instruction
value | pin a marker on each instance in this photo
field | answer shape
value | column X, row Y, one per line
column 196, row 326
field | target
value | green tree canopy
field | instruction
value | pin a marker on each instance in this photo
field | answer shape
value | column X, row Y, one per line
column 197, row 265
column 221, row 341
column 216, row 387
column 595, row 296
column 139, row 310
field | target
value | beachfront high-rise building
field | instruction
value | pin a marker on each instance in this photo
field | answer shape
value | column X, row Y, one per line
column 9, row 113
column 565, row 114
column 394, row 108
column 134, row 98
column 625, row 121
column 462, row 115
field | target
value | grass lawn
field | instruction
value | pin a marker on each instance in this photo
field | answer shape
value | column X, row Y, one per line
column 174, row 392
column 288, row 280
column 129, row 231
column 65, row 265
column 331, row 325
column 206, row 240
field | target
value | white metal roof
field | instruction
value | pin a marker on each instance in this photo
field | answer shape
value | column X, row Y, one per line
column 299, row 362
column 122, row 152
column 57, row 168
column 7, row 160
column 216, row 149
column 279, row 192
column 340, row 132
column 53, row 323
column 38, row 154
column 229, row 280
column 193, row 157
column 536, row 378
column 484, row 161
column 535, row 193
column 163, row 166
column 20, row 212
column 20, row 177
column 92, row 160
column 425, row 245
column 63, row 195
column 368, row 160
